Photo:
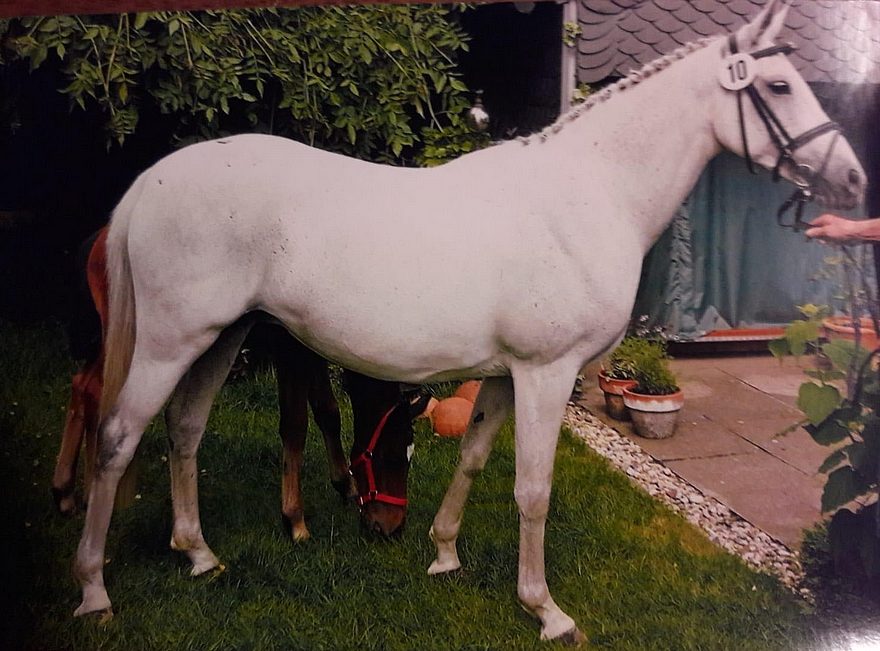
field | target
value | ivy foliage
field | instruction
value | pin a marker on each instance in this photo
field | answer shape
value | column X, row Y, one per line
column 366, row 81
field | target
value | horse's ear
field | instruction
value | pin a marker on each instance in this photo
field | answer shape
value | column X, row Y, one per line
column 764, row 29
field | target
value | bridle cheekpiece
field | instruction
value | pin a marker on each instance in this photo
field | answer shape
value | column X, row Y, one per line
column 741, row 73
column 365, row 460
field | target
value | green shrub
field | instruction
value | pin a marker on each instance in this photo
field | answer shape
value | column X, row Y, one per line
column 365, row 81
column 621, row 363
column 651, row 370
column 646, row 362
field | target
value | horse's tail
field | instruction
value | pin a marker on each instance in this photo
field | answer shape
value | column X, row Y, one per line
column 120, row 331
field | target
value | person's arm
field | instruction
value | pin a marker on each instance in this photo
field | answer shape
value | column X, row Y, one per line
column 834, row 228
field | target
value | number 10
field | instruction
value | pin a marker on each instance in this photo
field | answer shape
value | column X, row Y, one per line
column 738, row 71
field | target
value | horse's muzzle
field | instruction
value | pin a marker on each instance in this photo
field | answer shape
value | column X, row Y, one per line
column 383, row 520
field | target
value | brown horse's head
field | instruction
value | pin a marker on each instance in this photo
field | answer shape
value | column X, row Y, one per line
column 380, row 454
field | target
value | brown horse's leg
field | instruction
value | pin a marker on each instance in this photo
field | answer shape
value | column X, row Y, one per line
column 64, row 478
column 92, row 421
column 325, row 410
column 293, row 393
column 186, row 416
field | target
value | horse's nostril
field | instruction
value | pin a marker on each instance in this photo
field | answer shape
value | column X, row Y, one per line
column 854, row 177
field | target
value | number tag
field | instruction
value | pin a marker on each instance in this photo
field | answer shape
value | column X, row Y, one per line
column 737, row 71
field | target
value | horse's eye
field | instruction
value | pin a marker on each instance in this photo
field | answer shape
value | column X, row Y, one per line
column 780, row 88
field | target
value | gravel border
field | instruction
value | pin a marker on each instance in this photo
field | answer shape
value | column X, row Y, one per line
column 724, row 527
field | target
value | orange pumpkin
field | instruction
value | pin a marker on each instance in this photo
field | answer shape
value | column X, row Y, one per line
column 450, row 417
column 469, row 390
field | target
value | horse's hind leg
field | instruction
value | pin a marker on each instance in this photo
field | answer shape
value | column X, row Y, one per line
column 491, row 409
column 291, row 364
column 325, row 410
column 151, row 379
column 185, row 418
column 64, row 477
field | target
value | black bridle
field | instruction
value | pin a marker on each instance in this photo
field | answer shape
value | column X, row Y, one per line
column 804, row 175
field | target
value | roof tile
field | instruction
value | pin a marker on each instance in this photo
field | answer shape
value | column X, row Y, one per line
column 668, row 23
column 630, row 45
column 744, row 8
column 671, row 5
column 687, row 14
column 796, row 20
column 598, row 31
column 595, row 47
column 830, row 20
column 809, row 9
column 725, row 17
column 706, row 27
column 684, row 36
column 705, row 6
column 838, row 39
column 652, row 36
column 630, row 22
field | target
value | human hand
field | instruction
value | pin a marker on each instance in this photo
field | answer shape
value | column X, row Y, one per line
column 832, row 228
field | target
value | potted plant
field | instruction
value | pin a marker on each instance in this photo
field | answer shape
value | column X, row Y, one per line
column 844, row 327
column 656, row 399
column 616, row 374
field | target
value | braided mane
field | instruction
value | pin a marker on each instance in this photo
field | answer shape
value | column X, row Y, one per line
column 631, row 79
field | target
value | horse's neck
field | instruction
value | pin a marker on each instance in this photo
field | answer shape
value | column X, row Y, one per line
column 648, row 144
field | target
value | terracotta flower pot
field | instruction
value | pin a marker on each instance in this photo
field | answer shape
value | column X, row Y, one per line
column 840, row 327
column 613, row 389
column 654, row 417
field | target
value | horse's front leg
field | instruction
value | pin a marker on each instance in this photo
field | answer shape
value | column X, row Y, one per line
column 491, row 409
column 541, row 396
column 325, row 410
column 185, row 418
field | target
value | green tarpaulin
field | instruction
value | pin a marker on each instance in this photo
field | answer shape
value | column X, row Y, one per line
column 724, row 262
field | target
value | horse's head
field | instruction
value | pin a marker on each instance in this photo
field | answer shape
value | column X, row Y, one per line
column 380, row 454
column 766, row 113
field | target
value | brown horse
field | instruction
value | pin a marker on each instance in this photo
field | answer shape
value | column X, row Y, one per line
column 382, row 421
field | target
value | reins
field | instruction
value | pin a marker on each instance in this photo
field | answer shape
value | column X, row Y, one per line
column 784, row 142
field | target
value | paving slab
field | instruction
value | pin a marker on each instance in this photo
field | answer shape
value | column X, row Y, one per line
column 730, row 443
column 769, row 493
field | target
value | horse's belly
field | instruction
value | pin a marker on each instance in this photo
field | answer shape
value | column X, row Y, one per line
column 389, row 350
column 406, row 330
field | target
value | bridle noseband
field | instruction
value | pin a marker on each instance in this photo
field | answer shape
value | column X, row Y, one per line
column 787, row 146
column 365, row 460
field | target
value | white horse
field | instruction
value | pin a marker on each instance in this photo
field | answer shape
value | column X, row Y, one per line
column 531, row 269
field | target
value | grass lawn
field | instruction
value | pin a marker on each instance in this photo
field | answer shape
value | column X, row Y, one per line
column 630, row 572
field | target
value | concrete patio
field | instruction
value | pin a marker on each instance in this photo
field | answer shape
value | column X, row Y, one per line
column 730, row 443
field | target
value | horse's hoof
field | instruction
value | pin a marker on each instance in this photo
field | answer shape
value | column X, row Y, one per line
column 65, row 501
column 210, row 573
column 211, row 569
column 100, row 615
column 572, row 637
column 295, row 528
column 300, row 534
column 438, row 567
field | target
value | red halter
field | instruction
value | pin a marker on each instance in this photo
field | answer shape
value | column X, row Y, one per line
column 366, row 460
